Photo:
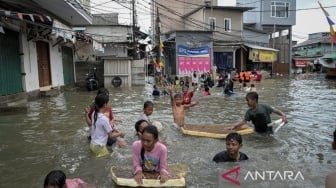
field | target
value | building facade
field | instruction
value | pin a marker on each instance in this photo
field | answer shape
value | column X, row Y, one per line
column 208, row 23
column 121, row 57
column 276, row 19
column 307, row 54
column 41, row 52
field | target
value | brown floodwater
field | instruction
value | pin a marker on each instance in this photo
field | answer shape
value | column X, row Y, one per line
column 50, row 133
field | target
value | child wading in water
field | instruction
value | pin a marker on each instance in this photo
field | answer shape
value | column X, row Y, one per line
column 259, row 114
column 57, row 179
column 147, row 111
column 140, row 126
column 101, row 129
column 206, row 91
column 233, row 144
column 108, row 113
column 149, row 155
column 177, row 106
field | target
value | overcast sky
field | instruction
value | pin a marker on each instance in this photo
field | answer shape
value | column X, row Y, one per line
column 307, row 21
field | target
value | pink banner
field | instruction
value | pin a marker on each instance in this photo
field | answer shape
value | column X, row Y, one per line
column 193, row 59
column 187, row 65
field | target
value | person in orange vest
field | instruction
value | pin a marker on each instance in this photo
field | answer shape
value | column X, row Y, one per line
column 242, row 75
column 247, row 76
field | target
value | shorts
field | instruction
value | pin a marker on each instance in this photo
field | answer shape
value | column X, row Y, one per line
column 111, row 141
column 99, row 151
column 269, row 130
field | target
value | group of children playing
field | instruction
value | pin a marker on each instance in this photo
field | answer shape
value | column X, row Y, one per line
column 149, row 153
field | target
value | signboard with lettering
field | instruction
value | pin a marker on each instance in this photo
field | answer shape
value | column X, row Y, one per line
column 193, row 59
column 257, row 55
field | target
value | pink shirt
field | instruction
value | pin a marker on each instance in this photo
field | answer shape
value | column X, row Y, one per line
column 155, row 160
column 205, row 93
column 74, row 183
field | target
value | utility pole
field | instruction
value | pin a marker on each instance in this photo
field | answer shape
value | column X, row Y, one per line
column 133, row 30
column 158, row 24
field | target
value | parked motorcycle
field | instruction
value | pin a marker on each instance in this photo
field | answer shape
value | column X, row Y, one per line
column 92, row 80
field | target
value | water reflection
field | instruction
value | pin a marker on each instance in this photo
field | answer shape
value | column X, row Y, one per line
column 51, row 134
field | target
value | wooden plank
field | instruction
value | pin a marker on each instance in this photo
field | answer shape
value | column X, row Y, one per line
column 213, row 130
column 123, row 176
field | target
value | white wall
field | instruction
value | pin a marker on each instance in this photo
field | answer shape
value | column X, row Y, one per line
column 30, row 66
column 56, row 66
column 30, row 80
column 226, row 3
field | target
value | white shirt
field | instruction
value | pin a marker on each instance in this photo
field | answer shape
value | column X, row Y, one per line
column 144, row 117
column 194, row 79
column 99, row 131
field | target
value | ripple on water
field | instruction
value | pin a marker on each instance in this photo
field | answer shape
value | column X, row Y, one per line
column 53, row 135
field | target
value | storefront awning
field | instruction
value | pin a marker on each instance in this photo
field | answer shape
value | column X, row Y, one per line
column 329, row 56
column 261, row 47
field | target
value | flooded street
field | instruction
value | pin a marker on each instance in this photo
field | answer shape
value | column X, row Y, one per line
column 51, row 133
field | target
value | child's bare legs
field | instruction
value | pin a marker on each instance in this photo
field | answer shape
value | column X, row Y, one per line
column 121, row 142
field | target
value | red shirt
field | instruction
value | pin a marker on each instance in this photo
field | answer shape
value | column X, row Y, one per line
column 109, row 111
column 187, row 98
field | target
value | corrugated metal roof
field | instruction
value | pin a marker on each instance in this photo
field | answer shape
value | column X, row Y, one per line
column 312, row 41
column 329, row 56
column 261, row 47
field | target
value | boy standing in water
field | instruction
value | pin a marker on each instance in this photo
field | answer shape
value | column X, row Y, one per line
column 259, row 114
column 186, row 95
column 178, row 107
column 233, row 144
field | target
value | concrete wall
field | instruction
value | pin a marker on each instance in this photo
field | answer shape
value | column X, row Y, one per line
column 256, row 38
column 120, row 68
column 83, row 67
column 261, row 16
column 171, row 19
column 114, row 50
column 268, row 20
column 30, row 66
column 198, row 23
column 106, row 33
column 104, row 19
column 236, row 23
column 252, row 16
column 138, row 72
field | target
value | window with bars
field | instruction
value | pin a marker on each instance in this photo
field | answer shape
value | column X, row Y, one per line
column 279, row 9
column 212, row 24
column 227, row 24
